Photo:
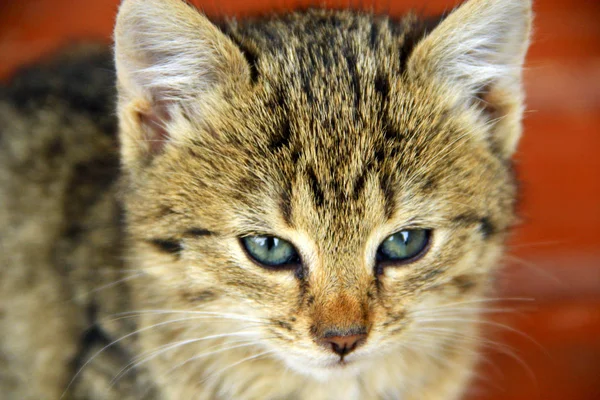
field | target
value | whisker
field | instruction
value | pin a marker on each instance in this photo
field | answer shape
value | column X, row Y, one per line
column 171, row 370
column 119, row 340
column 502, row 348
column 494, row 324
column 464, row 310
column 460, row 335
column 245, row 343
column 231, row 316
column 106, row 286
column 535, row 268
column 238, row 363
column 485, row 300
column 148, row 356
column 535, row 244
column 508, row 351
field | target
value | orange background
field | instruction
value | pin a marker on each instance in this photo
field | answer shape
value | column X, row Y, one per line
column 554, row 257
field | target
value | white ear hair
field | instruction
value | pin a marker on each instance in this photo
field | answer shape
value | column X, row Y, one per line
column 478, row 51
column 172, row 63
column 166, row 50
column 481, row 42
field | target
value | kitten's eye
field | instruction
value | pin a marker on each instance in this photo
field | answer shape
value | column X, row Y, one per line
column 404, row 246
column 271, row 251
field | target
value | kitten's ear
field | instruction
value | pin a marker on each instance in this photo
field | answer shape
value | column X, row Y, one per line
column 171, row 62
column 478, row 51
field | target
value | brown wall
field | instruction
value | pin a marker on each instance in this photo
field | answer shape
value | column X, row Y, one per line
column 555, row 254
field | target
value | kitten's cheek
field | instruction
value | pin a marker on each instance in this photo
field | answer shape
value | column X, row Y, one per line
column 391, row 277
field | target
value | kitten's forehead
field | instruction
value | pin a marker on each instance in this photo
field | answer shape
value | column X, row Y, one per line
column 324, row 58
column 331, row 88
column 324, row 79
column 334, row 135
column 319, row 40
column 340, row 169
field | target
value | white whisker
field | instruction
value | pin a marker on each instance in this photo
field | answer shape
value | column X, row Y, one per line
column 121, row 339
column 230, row 316
column 246, row 343
column 148, row 356
column 490, row 323
column 264, row 353
column 106, row 286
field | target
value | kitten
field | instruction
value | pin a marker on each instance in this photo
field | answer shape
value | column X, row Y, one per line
column 309, row 206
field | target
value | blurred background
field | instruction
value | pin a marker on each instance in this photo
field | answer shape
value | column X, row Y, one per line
column 549, row 347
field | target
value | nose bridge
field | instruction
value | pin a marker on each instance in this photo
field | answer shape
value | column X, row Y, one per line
column 342, row 273
column 339, row 315
column 340, row 304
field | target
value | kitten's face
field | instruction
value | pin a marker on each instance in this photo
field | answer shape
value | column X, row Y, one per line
column 333, row 154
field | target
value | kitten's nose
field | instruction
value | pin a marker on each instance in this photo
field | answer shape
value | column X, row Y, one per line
column 343, row 344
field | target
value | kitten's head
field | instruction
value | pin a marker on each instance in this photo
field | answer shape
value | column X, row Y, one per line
column 335, row 176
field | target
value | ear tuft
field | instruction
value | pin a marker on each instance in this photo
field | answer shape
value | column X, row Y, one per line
column 154, row 124
column 168, row 50
column 170, row 59
column 479, row 50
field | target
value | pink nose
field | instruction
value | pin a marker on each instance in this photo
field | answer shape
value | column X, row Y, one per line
column 343, row 344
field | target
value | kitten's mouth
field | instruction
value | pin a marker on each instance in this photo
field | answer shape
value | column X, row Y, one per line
column 334, row 365
column 326, row 369
column 341, row 363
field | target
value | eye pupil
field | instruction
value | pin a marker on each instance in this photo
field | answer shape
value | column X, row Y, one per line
column 272, row 242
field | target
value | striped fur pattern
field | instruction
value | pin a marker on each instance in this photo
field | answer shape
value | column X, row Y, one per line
column 331, row 130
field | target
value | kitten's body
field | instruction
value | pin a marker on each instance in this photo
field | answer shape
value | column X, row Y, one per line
column 332, row 130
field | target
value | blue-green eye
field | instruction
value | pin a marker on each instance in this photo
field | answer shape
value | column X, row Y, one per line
column 271, row 251
column 404, row 246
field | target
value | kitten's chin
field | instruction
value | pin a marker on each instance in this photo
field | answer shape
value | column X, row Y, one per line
column 325, row 371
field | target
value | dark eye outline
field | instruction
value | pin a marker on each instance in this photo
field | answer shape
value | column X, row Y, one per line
column 293, row 264
column 384, row 261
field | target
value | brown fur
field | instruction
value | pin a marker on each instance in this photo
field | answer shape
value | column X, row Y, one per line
column 329, row 129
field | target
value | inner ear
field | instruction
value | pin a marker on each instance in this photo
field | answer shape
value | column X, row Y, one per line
column 488, row 101
column 154, row 121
